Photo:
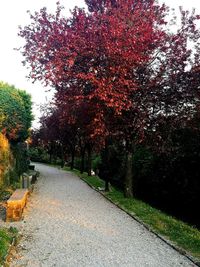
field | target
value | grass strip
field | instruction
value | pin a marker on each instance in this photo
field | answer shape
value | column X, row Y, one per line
column 6, row 239
column 181, row 234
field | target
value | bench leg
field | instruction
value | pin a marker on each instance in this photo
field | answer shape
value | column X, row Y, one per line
column 13, row 214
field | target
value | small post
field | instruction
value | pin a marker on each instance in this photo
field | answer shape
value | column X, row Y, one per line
column 21, row 181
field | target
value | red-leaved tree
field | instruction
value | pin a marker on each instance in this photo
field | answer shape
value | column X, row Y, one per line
column 116, row 67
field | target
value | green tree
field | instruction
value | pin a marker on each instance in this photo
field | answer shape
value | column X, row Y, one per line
column 15, row 113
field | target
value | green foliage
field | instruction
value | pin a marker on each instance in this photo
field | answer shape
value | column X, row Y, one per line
column 28, row 107
column 39, row 154
column 6, row 178
column 112, row 164
column 5, row 241
column 6, row 237
column 96, row 163
column 15, row 112
column 15, row 122
column 5, row 193
column 4, row 160
column 169, row 179
column 20, row 154
column 77, row 163
column 143, row 159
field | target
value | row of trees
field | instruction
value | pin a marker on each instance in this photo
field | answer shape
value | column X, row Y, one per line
column 125, row 75
column 15, row 123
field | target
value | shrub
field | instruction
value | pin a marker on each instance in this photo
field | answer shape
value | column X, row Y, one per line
column 15, row 113
column 96, row 163
column 4, row 158
column 15, row 121
column 39, row 155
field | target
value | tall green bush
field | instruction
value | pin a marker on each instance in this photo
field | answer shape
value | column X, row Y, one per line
column 15, row 122
column 15, row 113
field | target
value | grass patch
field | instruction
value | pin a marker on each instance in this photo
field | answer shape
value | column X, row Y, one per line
column 5, row 193
column 180, row 233
column 92, row 180
column 6, row 238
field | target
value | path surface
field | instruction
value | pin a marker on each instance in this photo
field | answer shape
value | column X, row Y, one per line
column 67, row 224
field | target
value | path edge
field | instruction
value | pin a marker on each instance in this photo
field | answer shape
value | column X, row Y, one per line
column 165, row 240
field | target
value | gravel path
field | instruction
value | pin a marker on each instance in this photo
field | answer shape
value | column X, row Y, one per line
column 66, row 223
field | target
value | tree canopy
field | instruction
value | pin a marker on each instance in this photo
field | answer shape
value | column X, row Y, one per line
column 117, row 68
column 15, row 112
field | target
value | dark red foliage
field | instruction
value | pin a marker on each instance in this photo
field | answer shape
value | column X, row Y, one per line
column 116, row 67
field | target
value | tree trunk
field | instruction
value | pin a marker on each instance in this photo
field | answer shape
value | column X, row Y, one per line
column 107, row 189
column 50, row 158
column 128, row 190
column 51, row 153
column 89, row 150
column 72, row 159
column 107, row 178
column 82, row 160
column 62, row 156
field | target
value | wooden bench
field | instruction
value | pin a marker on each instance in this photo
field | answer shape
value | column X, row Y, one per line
column 16, row 204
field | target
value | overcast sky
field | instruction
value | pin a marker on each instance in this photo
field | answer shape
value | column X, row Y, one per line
column 12, row 14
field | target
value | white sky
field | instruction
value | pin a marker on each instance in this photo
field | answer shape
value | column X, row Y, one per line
column 12, row 14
